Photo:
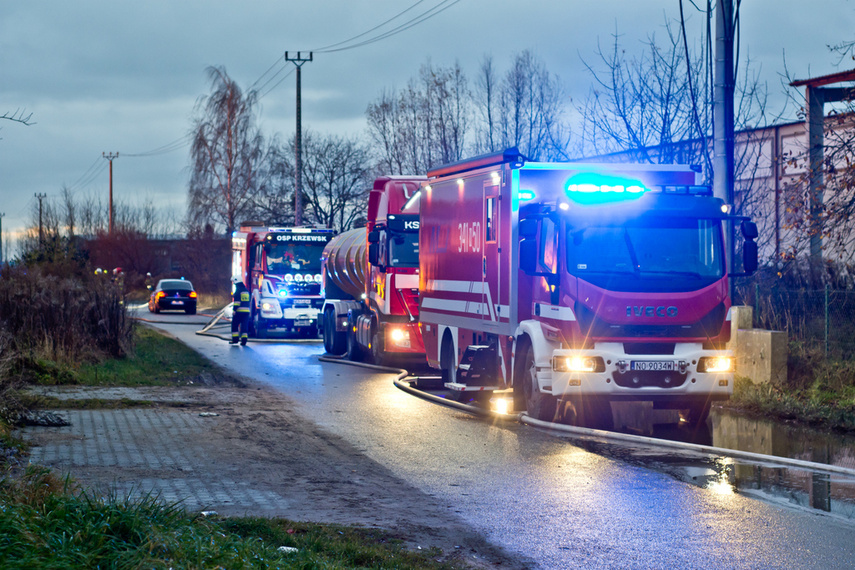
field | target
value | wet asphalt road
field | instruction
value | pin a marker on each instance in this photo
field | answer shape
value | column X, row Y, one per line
column 528, row 491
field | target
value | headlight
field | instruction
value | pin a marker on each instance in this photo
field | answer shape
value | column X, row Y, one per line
column 578, row 364
column 713, row 364
column 400, row 337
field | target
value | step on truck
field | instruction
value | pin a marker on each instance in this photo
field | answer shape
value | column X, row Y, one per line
column 577, row 285
column 281, row 268
column 371, row 278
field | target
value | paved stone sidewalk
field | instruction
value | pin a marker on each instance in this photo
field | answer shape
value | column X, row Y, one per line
column 158, row 453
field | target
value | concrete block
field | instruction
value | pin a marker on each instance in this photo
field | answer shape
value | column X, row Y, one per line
column 741, row 317
column 761, row 355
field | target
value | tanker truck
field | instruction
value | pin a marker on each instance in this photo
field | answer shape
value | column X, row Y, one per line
column 371, row 279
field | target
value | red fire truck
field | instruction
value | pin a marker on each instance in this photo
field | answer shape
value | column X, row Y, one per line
column 371, row 306
column 578, row 285
column 281, row 268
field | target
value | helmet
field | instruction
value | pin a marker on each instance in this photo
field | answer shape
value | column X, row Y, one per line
column 235, row 280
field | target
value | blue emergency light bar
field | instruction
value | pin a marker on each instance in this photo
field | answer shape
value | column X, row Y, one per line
column 525, row 195
column 591, row 188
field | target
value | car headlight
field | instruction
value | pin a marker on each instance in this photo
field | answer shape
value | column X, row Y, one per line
column 577, row 363
column 713, row 364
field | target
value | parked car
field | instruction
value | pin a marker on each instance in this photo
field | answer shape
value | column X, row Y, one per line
column 173, row 295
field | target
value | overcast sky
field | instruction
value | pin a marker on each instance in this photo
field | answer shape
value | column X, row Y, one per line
column 123, row 76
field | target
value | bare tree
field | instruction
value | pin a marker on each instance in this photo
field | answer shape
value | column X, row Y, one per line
column 274, row 197
column 423, row 125
column 226, row 154
column 525, row 109
column 337, row 178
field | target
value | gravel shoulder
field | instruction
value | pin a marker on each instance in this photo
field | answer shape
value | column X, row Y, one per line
column 240, row 449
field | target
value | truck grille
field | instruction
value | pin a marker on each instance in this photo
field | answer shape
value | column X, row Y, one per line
column 594, row 327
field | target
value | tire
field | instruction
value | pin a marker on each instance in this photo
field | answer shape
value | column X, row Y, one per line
column 258, row 329
column 378, row 354
column 448, row 360
column 190, row 311
column 335, row 342
column 354, row 351
column 697, row 413
column 538, row 405
column 589, row 412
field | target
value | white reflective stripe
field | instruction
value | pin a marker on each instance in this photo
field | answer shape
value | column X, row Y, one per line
column 408, row 281
column 455, row 286
column 444, row 304
column 473, row 287
column 467, row 307
column 553, row 312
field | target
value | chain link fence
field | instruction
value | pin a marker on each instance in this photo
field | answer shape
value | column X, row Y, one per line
column 822, row 319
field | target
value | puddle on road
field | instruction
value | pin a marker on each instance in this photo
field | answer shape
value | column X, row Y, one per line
column 796, row 487
column 828, row 492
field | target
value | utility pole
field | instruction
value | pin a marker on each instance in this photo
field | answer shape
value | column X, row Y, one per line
column 723, row 177
column 110, row 158
column 1, row 237
column 298, row 182
column 40, row 197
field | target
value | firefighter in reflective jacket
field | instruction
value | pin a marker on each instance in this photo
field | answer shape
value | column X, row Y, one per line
column 240, row 312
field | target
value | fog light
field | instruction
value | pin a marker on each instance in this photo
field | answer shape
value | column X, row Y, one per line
column 578, row 364
column 713, row 364
column 502, row 405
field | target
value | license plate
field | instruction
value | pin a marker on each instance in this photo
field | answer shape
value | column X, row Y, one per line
column 642, row 365
column 177, row 302
column 302, row 302
column 302, row 323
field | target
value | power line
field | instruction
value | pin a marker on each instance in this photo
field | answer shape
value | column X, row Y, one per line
column 167, row 148
column 426, row 15
column 322, row 49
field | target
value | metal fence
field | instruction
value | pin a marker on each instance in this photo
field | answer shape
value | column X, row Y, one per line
column 822, row 319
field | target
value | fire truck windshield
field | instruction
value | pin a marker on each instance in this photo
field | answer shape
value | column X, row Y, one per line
column 285, row 258
column 403, row 249
column 684, row 253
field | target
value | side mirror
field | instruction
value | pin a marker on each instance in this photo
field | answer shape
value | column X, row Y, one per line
column 749, row 230
column 373, row 236
column 374, row 253
column 749, row 256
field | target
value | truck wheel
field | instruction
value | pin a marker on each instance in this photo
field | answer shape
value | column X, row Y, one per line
column 594, row 413
column 538, row 405
column 335, row 342
column 260, row 331
column 696, row 414
column 378, row 354
column 354, row 351
column 448, row 361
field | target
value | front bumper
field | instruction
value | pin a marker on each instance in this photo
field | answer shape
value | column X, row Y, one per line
column 275, row 316
column 622, row 376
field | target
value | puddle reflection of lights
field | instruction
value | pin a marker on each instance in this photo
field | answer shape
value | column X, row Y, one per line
column 721, row 485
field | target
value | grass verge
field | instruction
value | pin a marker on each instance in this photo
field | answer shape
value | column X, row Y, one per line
column 47, row 523
column 816, row 406
column 157, row 360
